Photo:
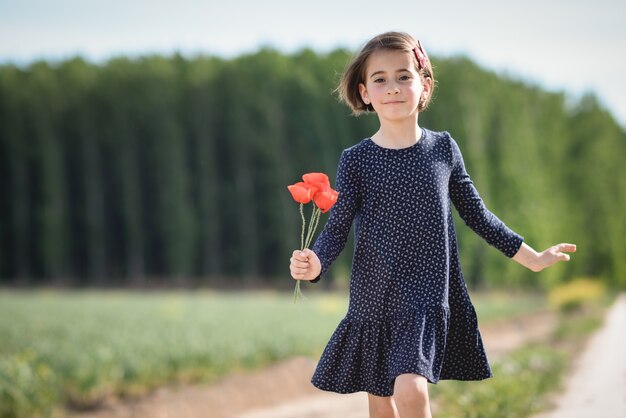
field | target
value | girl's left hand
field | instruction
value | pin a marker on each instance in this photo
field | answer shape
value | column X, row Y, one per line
column 535, row 261
column 554, row 254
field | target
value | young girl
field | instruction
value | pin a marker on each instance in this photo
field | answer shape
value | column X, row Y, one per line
column 410, row 320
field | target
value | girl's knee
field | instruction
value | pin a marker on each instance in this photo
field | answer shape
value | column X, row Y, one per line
column 411, row 389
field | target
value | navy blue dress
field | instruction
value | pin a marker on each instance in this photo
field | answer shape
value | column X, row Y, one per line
column 409, row 309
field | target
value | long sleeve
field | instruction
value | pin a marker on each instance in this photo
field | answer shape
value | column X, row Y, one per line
column 473, row 211
column 333, row 237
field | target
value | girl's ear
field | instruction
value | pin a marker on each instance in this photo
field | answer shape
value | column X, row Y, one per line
column 428, row 86
column 363, row 92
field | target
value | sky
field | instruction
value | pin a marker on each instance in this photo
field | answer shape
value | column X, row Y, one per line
column 573, row 46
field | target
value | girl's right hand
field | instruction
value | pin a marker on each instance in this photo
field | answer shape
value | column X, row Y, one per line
column 305, row 265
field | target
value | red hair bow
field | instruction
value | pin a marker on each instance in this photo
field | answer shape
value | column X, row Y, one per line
column 420, row 54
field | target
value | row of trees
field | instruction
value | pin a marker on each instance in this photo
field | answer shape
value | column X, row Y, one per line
column 177, row 168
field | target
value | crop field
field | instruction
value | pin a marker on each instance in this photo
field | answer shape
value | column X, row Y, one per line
column 80, row 347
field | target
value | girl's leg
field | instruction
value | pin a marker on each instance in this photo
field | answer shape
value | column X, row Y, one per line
column 382, row 406
column 410, row 394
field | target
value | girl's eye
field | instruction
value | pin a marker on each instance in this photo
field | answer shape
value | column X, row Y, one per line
column 379, row 80
column 405, row 77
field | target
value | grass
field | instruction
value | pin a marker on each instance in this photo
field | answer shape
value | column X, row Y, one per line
column 78, row 348
column 516, row 390
column 81, row 347
column 120, row 343
column 498, row 305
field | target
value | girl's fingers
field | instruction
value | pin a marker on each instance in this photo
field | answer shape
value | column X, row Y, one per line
column 299, row 267
column 559, row 250
column 569, row 248
column 298, row 270
column 299, row 264
column 297, row 254
column 297, row 274
column 296, row 263
column 300, row 255
column 563, row 248
column 563, row 257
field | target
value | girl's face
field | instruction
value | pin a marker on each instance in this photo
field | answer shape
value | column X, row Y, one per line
column 392, row 85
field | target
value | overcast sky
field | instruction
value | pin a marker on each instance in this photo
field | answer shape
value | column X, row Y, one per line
column 576, row 46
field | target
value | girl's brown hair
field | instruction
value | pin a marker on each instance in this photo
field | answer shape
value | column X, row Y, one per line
column 354, row 74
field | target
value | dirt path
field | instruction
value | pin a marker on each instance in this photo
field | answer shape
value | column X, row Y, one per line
column 232, row 395
column 284, row 390
column 597, row 385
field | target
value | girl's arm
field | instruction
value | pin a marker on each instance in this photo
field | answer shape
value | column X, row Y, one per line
column 332, row 240
column 473, row 211
column 536, row 262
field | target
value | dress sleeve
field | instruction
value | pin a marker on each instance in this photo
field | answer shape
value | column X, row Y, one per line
column 473, row 211
column 332, row 240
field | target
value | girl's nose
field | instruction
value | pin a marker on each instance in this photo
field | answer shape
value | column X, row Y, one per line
column 393, row 89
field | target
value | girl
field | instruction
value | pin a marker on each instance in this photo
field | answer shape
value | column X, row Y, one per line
column 410, row 320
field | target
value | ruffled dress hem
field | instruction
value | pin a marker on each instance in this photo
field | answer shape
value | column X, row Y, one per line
column 369, row 355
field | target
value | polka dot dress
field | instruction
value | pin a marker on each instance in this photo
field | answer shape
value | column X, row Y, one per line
column 409, row 309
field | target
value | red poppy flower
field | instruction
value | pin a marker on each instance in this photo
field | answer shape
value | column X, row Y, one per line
column 319, row 180
column 302, row 192
column 315, row 186
column 325, row 199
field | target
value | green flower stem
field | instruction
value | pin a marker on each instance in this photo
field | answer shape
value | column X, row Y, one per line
column 317, row 220
column 303, row 223
column 304, row 243
column 310, row 230
column 313, row 225
column 297, row 293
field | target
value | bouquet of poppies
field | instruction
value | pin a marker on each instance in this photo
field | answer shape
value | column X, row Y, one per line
column 316, row 187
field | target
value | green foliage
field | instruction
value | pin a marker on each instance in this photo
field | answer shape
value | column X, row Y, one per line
column 28, row 386
column 522, row 381
column 576, row 294
column 177, row 168
column 497, row 304
column 517, row 389
column 575, row 324
column 82, row 348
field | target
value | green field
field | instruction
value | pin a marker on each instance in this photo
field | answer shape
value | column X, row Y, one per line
column 79, row 347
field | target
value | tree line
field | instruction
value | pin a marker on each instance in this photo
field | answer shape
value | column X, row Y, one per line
column 174, row 170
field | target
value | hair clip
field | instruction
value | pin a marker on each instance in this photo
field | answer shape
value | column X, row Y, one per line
column 420, row 54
